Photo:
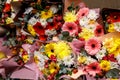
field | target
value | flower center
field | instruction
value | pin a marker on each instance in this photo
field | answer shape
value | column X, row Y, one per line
column 52, row 50
column 70, row 28
column 83, row 14
column 94, row 68
column 93, row 45
column 99, row 30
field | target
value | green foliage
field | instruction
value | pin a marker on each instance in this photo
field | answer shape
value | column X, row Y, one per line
column 113, row 73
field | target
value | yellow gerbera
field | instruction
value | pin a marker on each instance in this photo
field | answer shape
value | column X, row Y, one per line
column 53, row 67
column 46, row 14
column 111, row 28
column 105, row 65
column 31, row 30
column 62, row 49
column 86, row 33
column 50, row 49
column 9, row 20
column 70, row 16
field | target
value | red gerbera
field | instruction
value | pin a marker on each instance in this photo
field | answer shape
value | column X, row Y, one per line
column 39, row 29
column 99, row 31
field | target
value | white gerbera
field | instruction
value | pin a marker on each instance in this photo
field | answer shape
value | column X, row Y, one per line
column 43, row 22
column 101, row 54
column 92, row 15
column 54, row 9
column 117, row 26
column 68, row 61
column 84, row 21
column 32, row 21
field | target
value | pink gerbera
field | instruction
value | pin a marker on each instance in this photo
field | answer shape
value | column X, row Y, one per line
column 93, row 68
column 99, row 31
column 71, row 27
column 92, row 46
column 82, row 12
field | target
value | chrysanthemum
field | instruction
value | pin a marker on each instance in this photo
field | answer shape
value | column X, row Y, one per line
column 71, row 27
column 84, row 21
column 93, row 68
column 9, row 20
column 111, row 44
column 105, row 65
column 46, row 14
column 92, row 15
column 86, row 33
column 50, row 49
column 68, row 60
column 70, row 17
column 99, row 31
column 92, row 46
column 82, row 12
column 62, row 49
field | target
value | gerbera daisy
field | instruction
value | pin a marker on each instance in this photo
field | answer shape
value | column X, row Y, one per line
column 46, row 14
column 50, row 49
column 71, row 27
column 82, row 12
column 92, row 46
column 99, row 31
column 105, row 65
column 93, row 68
column 70, row 17
column 53, row 68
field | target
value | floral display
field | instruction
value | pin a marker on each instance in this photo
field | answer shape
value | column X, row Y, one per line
column 43, row 43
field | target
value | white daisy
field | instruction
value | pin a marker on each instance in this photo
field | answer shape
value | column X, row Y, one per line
column 43, row 22
column 50, row 32
column 101, row 54
column 118, row 59
column 92, row 15
column 117, row 26
column 68, row 61
column 89, row 60
column 91, row 26
column 84, row 21
column 114, row 65
column 32, row 21
column 41, row 59
column 54, row 9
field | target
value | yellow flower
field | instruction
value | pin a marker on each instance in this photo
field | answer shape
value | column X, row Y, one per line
column 62, row 49
column 86, row 33
column 30, row 41
column 50, row 49
column 114, row 79
column 36, row 59
column 81, row 59
column 2, row 55
column 111, row 28
column 53, row 67
column 105, row 65
column 111, row 44
column 31, row 30
column 46, row 14
column 70, row 16
column 9, row 20
column 25, row 58
column 116, row 52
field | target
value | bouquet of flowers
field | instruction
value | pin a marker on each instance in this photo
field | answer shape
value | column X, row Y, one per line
column 46, row 44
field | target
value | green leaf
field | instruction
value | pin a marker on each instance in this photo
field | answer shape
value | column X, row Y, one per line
column 113, row 73
column 65, row 33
